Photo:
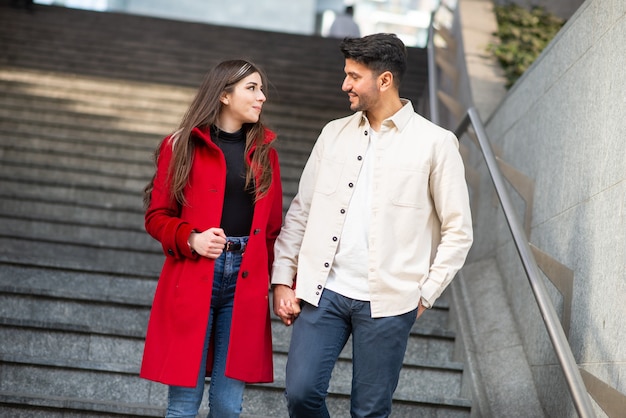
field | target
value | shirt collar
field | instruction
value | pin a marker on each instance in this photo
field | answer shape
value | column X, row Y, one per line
column 400, row 119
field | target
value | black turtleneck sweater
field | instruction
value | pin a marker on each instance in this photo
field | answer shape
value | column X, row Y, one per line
column 238, row 202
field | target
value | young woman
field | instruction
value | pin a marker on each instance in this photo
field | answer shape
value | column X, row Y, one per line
column 215, row 205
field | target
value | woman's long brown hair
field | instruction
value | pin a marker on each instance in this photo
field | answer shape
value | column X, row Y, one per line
column 203, row 113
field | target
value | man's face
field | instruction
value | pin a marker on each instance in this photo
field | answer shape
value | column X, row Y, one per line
column 361, row 84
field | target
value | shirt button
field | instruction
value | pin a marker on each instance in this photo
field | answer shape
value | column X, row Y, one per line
column 365, row 133
column 256, row 231
column 359, row 158
column 342, row 211
column 170, row 251
column 244, row 274
column 350, row 184
column 319, row 286
column 326, row 264
column 334, row 238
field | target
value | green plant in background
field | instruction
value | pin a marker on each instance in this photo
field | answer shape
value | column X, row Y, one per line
column 523, row 34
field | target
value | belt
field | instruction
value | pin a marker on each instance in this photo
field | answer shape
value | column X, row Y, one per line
column 235, row 247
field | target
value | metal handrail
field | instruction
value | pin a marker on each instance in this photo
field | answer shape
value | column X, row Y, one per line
column 580, row 397
column 562, row 349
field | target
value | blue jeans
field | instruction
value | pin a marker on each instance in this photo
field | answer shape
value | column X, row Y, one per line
column 225, row 394
column 319, row 335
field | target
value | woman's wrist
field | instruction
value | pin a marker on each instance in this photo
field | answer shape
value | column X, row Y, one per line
column 189, row 242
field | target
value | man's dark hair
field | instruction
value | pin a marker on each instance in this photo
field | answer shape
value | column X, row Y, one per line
column 380, row 52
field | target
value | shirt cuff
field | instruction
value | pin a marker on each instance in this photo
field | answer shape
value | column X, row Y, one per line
column 282, row 275
column 430, row 293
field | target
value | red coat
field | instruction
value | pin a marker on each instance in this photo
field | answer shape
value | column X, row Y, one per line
column 180, row 311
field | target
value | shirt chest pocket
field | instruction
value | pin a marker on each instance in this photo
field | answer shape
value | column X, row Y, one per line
column 328, row 176
column 409, row 187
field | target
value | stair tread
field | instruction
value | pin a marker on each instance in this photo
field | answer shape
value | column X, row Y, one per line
column 446, row 381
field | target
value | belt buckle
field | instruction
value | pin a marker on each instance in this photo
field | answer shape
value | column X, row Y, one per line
column 234, row 246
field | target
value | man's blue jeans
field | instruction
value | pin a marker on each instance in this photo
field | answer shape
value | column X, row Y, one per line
column 225, row 394
column 319, row 335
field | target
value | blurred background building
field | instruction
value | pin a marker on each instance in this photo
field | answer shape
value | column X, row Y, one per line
column 409, row 19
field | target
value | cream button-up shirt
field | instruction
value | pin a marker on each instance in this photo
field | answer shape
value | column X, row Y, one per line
column 420, row 227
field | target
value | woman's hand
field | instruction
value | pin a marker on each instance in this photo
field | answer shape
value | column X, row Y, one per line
column 209, row 243
column 286, row 305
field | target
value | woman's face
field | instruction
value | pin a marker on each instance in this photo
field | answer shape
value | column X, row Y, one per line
column 243, row 104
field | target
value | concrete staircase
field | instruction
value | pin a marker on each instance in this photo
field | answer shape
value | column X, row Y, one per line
column 85, row 97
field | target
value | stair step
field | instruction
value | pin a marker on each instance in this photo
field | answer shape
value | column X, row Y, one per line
column 25, row 405
column 96, row 164
column 58, row 212
column 68, row 293
column 75, row 315
column 39, row 89
column 113, row 198
column 256, row 405
column 25, row 151
column 95, row 121
column 93, row 379
column 77, row 285
column 14, row 128
column 87, row 235
column 79, row 380
column 38, row 253
column 80, row 162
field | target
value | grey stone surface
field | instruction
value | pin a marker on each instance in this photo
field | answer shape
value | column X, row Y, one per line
column 77, row 285
column 71, row 194
column 80, row 153
column 80, row 257
column 255, row 404
column 554, row 387
column 13, row 127
column 76, row 384
column 82, row 162
column 67, row 347
column 93, row 236
column 492, row 346
column 428, row 349
column 16, row 406
column 15, row 207
column 74, row 315
column 562, row 125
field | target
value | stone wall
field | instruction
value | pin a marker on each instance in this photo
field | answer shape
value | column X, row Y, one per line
column 563, row 125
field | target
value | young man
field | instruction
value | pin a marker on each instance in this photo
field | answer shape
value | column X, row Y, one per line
column 379, row 227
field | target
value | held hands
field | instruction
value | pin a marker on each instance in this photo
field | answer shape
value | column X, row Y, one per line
column 209, row 243
column 286, row 305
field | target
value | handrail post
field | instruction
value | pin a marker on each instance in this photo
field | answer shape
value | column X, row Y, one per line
column 562, row 349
